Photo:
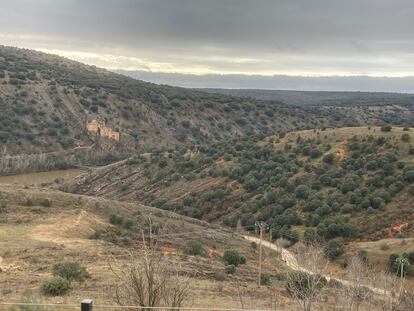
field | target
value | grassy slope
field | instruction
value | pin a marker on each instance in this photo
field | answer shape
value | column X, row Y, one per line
column 34, row 235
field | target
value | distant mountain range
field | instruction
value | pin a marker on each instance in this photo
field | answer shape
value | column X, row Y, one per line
column 280, row 82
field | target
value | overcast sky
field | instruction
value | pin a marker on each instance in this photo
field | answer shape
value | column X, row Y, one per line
column 252, row 37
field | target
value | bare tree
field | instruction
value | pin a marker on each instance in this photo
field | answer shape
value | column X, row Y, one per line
column 356, row 291
column 307, row 284
column 149, row 279
column 241, row 293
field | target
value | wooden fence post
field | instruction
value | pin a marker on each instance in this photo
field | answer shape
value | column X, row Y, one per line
column 86, row 305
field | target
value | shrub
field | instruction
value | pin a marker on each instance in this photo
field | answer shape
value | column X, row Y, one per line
column 190, row 201
column 405, row 137
column 409, row 175
column 315, row 153
column 348, row 185
column 410, row 257
column 386, row 128
column 384, row 246
column 336, row 227
column 399, row 264
column 371, row 165
column 377, row 203
column 194, row 248
column 232, row 257
column 45, row 203
column 253, row 245
column 185, row 123
column 128, row 224
column 303, row 285
column 115, row 219
column 265, row 279
column 329, row 158
column 162, row 163
column 311, row 237
column 56, row 286
column 363, row 256
column 334, row 248
column 230, row 269
column 70, row 270
column 3, row 204
column 312, row 205
column 396, row 187
column 302, row 192
column 219, row 277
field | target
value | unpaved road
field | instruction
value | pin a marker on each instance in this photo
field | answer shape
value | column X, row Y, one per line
column 292, row 263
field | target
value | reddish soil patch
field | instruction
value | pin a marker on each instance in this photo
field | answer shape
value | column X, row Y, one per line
column 398, row 229
column 341, row 151
column 168, row 250
column 211, row 252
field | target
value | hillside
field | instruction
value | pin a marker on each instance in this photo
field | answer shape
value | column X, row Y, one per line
column 355, row 183
column 46, row 101
column 56, row 113
column 40, row 227
column 372, row 107
column 313, row 98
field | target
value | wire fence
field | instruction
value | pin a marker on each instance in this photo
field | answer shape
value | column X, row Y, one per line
column 23, row 306
column 50, row 306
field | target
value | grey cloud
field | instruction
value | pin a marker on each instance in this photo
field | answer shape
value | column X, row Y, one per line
column 311, row 36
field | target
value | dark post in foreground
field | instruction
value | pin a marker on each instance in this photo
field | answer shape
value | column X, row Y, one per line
column 86, row 305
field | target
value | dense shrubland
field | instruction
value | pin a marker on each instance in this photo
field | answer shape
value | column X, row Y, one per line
column 45, row 101
column 301, row 188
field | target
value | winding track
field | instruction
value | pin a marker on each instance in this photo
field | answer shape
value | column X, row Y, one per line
column 292, row 263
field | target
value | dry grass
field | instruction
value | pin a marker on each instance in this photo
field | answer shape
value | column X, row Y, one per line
column 33, row 238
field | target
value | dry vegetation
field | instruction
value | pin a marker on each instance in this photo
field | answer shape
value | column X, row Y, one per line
column 46, row 100
column 341, row 199
column 41, row 227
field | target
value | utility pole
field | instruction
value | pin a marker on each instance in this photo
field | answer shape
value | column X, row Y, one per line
column 262, row 225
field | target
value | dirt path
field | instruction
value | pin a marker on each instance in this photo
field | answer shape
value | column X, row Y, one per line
column 292, row 263
column 71, row 229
